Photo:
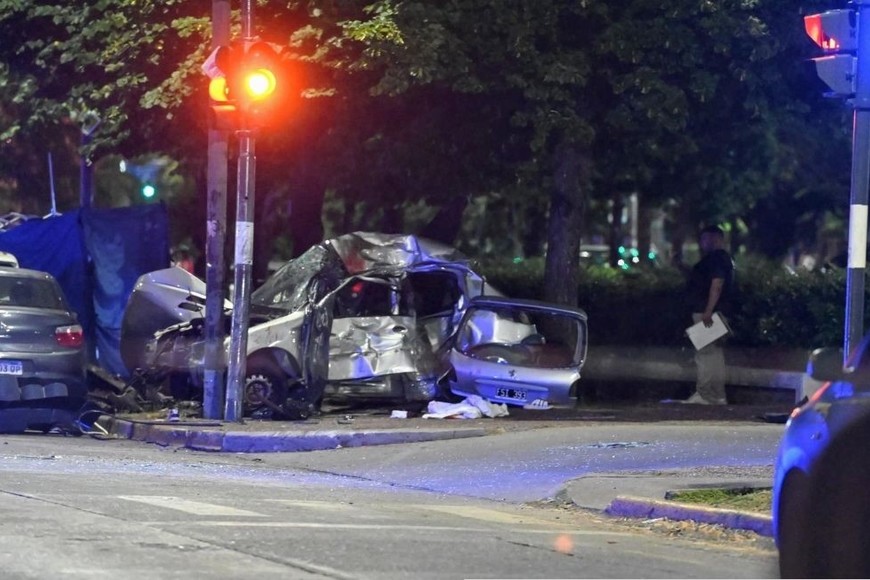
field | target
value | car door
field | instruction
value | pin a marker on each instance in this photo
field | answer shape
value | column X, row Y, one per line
column 316, row 326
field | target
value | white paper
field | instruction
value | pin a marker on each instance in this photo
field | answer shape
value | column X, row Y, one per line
column 701, row 336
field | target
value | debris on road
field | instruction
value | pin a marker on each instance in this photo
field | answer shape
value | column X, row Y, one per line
column 473, row 407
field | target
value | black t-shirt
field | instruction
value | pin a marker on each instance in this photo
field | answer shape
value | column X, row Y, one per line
column 716, row 264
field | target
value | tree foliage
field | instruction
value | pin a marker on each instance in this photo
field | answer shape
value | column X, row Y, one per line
column 531, row 109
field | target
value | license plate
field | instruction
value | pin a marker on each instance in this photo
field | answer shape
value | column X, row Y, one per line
column 516, row 394
column 11, row 367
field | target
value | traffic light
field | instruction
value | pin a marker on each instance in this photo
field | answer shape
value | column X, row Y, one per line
column 836, row 33
column 250, row 84
column 225, row 60
column 148, row 191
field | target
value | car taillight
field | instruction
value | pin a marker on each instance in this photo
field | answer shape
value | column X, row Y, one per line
column 69, row 336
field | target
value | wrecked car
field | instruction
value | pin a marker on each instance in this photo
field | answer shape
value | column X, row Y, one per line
column 518, row 352
column 362, row 316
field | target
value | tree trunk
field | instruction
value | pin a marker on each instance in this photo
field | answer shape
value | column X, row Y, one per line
column 644, row 228
column 267, row 225
column 392, row 220
column 567, row 204
column 615, row 233
column 306, row 205
column 735, row 236
column 447, row 223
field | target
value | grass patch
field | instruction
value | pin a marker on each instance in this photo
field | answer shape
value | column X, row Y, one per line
column 744, row 499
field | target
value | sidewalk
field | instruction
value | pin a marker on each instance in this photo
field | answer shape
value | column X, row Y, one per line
column 326, row 432
column 643, row 495
column 624, row 494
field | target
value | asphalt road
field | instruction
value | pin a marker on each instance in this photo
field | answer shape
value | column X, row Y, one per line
column 82, row 508
column 524, row 466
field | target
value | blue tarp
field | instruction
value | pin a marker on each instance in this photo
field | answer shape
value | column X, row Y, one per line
column 96, row 255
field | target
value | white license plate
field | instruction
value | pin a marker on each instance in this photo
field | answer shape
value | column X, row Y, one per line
column 11, row 367
column 516, row 394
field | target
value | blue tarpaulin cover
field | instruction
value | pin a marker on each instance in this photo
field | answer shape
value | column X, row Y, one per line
column 96, row 255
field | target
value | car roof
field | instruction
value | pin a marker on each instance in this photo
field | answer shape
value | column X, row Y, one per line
column 24, row 273
column 8, row 259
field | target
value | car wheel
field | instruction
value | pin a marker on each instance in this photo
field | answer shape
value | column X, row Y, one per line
column 791, row 534
column 265, row 391
column 838, row 508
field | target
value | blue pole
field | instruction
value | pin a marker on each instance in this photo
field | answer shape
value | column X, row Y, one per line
column 857, row 263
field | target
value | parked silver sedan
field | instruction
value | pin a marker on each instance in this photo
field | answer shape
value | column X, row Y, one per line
column 42, row 352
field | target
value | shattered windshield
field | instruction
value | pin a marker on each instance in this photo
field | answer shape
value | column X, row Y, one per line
column 287, row 289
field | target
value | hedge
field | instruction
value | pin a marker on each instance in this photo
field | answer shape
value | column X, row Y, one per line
column 646, row 306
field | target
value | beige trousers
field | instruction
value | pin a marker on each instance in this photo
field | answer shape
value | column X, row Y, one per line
column 712, row 373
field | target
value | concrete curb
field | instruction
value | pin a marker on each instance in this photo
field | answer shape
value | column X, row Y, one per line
column 636, row 507
column 203, row 439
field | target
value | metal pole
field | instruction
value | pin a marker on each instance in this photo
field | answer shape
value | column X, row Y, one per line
column 860, row 181
column 244, row 254
column 214, row 363
column 247, row 19
column 86, row 187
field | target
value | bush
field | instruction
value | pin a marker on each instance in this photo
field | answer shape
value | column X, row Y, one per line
column 646, row 306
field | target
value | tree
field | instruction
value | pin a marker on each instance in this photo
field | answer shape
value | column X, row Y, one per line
column 670, row 100
column 538, row 106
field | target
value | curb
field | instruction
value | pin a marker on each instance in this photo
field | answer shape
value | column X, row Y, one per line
column 636, row 507
column 196, row 438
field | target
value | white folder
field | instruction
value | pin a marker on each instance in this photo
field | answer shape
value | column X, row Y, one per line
column 701, row 335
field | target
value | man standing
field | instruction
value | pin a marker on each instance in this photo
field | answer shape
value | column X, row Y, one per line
column 710, row 290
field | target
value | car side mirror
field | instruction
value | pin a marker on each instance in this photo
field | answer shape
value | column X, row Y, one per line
column 826, row 364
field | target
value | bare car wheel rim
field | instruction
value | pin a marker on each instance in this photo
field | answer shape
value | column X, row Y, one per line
column 258, row 388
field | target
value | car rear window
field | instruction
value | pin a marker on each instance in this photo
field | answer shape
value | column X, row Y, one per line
column 30, row 292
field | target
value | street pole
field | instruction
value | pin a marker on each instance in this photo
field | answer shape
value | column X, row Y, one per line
column 857, row 262
column 86, row 187
column 214, row 360
column 244, row 255
column 90, row 122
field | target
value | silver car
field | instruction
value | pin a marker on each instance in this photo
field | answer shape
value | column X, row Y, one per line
column 518, row 352
column 42, row 351
column 362, row 316
column 358, row 316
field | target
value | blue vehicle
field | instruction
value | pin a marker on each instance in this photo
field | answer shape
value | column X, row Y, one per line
column 821, row 504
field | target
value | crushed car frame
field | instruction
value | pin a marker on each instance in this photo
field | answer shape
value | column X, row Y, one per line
column 361, row 316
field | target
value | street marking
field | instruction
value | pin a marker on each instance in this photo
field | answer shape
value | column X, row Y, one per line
column 485, row 514
column 190, row 507
column 318, row 505
column 328, row 526
column 403, row 527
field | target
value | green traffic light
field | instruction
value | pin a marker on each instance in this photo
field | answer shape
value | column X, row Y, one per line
column 148, row 191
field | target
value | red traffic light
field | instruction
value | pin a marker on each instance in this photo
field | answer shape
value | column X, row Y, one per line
column 251, row 85
column 262, row 84
column 259, row 84
column 834, row 30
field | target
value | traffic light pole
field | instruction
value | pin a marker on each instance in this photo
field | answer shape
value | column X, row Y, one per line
column 857, row 263
column 244, row 255
column 214, row 358
column 244, row 259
